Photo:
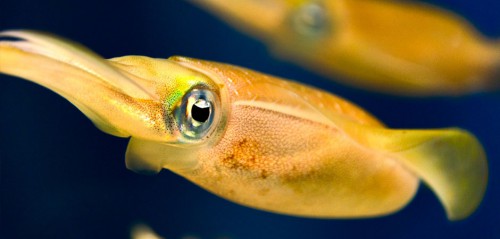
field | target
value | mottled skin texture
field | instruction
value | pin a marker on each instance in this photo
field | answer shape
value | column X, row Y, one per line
column 288, row 159
column 271, row 144
column 397, row 47
column 321, row 173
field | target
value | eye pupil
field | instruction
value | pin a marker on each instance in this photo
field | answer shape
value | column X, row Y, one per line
column 201, row 110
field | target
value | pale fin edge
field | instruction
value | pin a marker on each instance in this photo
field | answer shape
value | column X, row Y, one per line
column 452, row 162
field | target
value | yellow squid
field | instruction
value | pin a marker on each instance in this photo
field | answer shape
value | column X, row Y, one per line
column 251, row 138
column 397, row 47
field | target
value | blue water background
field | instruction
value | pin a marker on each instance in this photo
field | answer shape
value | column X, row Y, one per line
column 63, row 178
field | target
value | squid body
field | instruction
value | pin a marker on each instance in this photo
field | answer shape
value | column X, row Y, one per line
column 398, row 47
column 251, row 138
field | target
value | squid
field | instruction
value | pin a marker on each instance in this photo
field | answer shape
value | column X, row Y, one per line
column 143, row 231
column 396, row 47
column 254, row 139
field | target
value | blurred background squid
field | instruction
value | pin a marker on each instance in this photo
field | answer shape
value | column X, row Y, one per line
column 397, row 47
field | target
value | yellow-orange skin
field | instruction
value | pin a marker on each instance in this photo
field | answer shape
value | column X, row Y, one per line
column 274, row 144
column 298, row 163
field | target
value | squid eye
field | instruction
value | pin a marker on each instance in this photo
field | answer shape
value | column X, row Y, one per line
column 195, row 115
column 310, row 19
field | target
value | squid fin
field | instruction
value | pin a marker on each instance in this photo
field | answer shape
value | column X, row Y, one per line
column 453, row 163
column 450, row 161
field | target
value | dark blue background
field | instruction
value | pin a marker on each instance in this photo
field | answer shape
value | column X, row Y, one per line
column 63, row 178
